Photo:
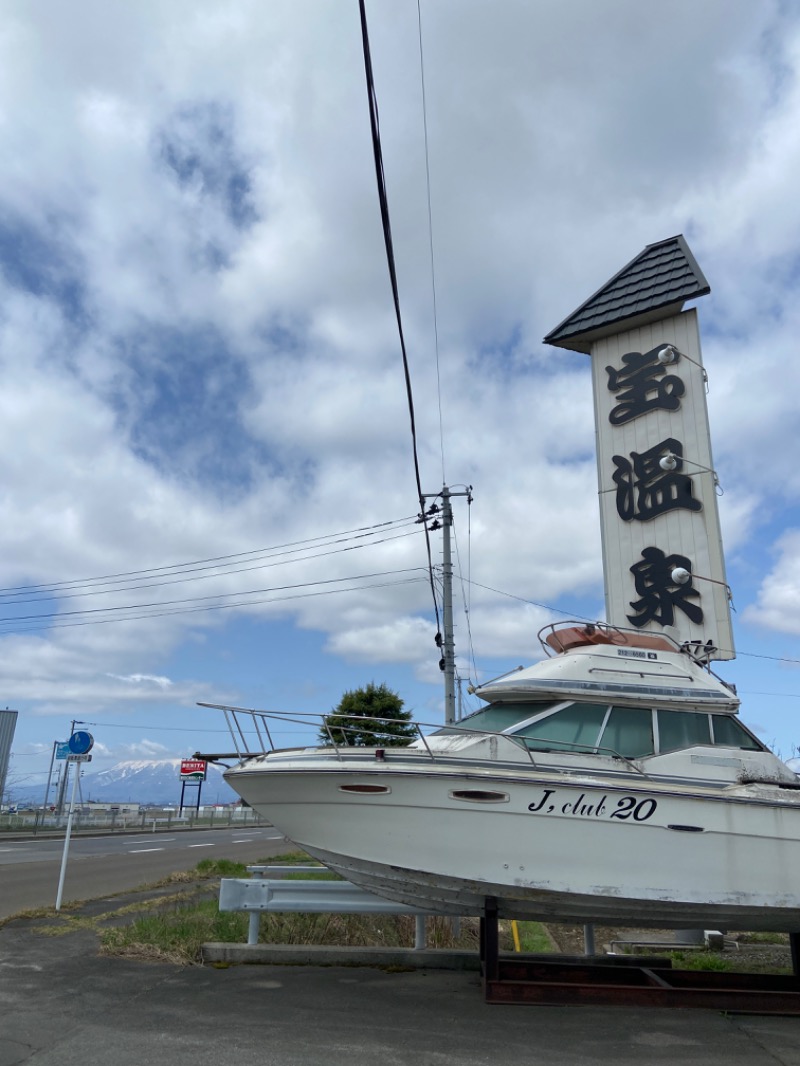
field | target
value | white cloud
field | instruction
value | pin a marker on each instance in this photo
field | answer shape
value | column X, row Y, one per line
column 146, row 679
column 777, row 604
column 198, row 348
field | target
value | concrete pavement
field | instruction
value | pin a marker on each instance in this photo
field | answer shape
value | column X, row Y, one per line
column 63, row 1003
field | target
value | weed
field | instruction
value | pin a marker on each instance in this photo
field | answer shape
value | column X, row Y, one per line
column 700, row 960
column 533, row 938
column 764, row 938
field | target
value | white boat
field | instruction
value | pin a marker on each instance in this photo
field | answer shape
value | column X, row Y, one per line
column 611, row 782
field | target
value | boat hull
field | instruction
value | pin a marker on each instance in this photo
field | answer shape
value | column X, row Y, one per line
column 624, row 853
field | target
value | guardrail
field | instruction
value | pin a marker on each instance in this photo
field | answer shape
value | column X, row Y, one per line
column 262, row 894
column 154, row 819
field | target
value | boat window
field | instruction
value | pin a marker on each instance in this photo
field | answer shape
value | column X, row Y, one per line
column 629, row 732
column 479, row 795
column 575, row 727
column 682, row 729
column 497, row 717
column 731, row 733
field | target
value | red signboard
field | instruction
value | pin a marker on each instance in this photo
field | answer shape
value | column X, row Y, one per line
column 193, row 769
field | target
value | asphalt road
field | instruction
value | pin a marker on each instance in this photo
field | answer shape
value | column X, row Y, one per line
column 99, row 866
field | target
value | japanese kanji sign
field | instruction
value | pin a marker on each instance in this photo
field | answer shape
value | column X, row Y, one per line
column 658, row 504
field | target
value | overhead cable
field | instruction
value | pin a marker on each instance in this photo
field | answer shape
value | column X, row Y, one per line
column 387, row 237
column 214, row 607
column 199, row 564
column 197, row 599
column 202, row 577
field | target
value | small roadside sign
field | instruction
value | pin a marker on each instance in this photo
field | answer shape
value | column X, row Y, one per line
column 62, row 749
column 79, row 758
column 80, row 742
column 193, row 769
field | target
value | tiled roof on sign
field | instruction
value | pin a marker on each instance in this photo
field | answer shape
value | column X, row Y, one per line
column 654, row 285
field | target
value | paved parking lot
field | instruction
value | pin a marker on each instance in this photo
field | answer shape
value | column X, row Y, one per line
column 62, row 1003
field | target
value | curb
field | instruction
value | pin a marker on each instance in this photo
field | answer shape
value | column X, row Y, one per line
column 312, row 955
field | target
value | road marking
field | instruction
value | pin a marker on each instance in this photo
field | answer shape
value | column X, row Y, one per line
column 202, row 845
column 246, row 841
column 141, row 851
column 147, row 839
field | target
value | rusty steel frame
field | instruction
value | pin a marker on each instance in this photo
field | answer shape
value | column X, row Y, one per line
column 629, row 981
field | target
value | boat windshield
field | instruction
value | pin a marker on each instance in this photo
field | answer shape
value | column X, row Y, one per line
column 498, row 717
column 632, row 732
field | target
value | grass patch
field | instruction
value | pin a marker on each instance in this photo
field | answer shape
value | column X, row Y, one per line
column 764, row 938
column 533, row 938
column 173, row 926
column 176, row 933
column 700, row 960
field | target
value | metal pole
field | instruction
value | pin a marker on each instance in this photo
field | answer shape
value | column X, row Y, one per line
column 62, row 789
column 65, row 778
column 588, row 940
column 448, row 644
column 49, row 776
column 66, row 842
column 420, row 942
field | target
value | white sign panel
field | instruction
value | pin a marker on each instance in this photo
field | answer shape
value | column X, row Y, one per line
column 662, row 549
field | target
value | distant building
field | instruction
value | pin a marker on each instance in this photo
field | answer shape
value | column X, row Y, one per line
column 8, row 723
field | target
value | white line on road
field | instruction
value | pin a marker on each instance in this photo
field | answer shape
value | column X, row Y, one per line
column 145, row 840
column 202, row 845
column 247, row 841
column 141, row 851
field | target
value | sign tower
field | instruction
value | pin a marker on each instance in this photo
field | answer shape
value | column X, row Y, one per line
column 663, row 564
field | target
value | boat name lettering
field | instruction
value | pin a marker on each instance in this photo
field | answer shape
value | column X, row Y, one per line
column 622, row 807
column 629, row 653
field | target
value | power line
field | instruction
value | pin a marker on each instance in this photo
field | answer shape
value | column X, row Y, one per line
column 198, row 564
column 214, row 607
column 389, row 245
column 465, row 591
column 206, row 577
column 430, row 235
column 200, row 599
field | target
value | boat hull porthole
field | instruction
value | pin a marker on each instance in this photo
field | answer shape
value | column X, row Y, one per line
column 479, row 795
column 365, row 790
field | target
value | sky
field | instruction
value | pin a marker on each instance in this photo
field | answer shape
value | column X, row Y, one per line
column 202, row 386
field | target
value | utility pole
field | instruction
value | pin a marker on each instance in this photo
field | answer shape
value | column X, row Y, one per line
column 62, row 792
column 448, row 661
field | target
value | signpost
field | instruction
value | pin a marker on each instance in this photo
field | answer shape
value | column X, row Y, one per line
column 79, row 745
column 193, row 771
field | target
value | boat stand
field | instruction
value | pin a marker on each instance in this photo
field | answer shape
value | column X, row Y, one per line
column 628, row 980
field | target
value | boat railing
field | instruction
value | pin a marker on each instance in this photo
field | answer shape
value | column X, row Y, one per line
column 251, row 735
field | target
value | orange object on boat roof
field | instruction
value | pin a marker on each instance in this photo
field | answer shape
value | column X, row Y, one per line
column 580, row 636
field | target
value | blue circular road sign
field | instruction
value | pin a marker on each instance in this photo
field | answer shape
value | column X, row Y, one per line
column 80, row 742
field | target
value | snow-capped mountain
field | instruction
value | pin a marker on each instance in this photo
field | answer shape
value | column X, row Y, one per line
column 140, row 781
column 153, row 781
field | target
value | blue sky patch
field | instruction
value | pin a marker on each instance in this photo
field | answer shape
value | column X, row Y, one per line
column 35, row 262
column 199, row 149
column 182, row 400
